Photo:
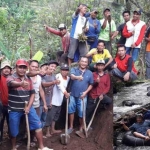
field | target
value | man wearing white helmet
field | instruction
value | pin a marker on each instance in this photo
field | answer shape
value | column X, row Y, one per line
column 65, row 40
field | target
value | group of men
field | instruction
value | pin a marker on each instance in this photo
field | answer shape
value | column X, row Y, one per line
column 99, row 34
column 44, row 92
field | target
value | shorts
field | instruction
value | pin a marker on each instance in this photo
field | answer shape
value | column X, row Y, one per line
column 52, row 115
column 74, row 45
column 14, row 121
column 76, row 103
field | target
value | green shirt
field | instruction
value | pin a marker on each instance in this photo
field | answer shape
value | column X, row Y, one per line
column 104, row 34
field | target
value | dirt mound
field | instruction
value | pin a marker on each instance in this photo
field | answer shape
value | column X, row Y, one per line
column 99, row 139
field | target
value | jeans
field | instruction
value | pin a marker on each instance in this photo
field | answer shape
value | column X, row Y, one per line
column 4, row 115
column 135, row 52
column 93, row 44
column 118, row 73
column 147, row 65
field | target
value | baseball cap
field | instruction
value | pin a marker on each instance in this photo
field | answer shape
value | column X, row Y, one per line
column 100, row 62
column 106, row 9
column 21, row 62
column 94, row 10
column 64, row 67
column 4, row 64
column 62, row 26
column 139, row 11
column 53, row 62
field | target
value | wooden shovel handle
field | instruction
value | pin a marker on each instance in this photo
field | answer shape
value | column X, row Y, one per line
column 27, row 126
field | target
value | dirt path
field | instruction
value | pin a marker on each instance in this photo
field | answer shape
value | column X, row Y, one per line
column 99, row 139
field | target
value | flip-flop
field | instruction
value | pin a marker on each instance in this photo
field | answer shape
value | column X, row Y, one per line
column 70, row 130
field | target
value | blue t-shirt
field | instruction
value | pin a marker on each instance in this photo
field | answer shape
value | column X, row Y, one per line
column 141, row 127
column 93, row 32
column 80, row 86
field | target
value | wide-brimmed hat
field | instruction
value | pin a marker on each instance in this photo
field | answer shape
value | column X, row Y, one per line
column 5, row 64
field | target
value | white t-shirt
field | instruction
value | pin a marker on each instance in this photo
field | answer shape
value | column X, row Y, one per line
column 79, row 25
column 36, row 86
column 58, row 90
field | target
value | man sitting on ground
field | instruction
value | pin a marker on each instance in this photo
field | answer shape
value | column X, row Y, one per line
column 141, row 128
column 99, row 53
column 123, row 66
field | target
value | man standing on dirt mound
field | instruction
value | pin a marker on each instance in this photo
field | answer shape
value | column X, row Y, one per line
column 79, row 25
column 65, row 40
column 108, row 27
column 101, row 87
column 134, row 31
column 5, row 72
column 122, row 40
column 21, row 90
column 82, row 80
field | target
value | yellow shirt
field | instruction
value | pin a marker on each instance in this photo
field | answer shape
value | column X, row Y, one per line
column 99, row 56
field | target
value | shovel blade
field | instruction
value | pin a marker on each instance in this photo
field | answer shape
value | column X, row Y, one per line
column 80, row 134
column 64, row 139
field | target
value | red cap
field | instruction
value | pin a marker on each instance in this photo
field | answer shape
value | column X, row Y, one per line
column 21, row 62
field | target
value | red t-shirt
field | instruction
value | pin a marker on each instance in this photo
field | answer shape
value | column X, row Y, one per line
column 102, row 87
column 3, row 91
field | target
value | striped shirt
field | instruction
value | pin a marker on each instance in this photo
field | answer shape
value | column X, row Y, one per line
column 18, row 96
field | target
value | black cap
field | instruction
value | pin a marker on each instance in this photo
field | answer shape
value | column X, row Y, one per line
column 64, row 67
column 138, row 11
column 53, row 62
column 45, row 64
column 106, row 9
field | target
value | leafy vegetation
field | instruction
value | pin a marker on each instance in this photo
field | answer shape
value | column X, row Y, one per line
column 17, row 17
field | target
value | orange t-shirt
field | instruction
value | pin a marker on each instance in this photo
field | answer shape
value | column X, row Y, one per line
column 148, row 43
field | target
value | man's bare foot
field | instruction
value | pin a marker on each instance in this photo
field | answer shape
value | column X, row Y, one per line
column 147, row 138
column 48, row 135
column 56, row 131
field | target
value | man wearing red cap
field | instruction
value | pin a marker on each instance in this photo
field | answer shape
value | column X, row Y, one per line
column 21, row 90
column 134, row 31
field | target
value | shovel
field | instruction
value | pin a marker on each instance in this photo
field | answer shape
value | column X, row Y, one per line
column 27, row 125
column 65, row 138
column 93, row 115
column 80, row 133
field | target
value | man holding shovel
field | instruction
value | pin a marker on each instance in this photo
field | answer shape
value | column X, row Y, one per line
column 21, row 90
column 82, row 80
column 99, row 91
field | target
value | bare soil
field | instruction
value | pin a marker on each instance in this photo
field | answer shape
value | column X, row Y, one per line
column 101, row 138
